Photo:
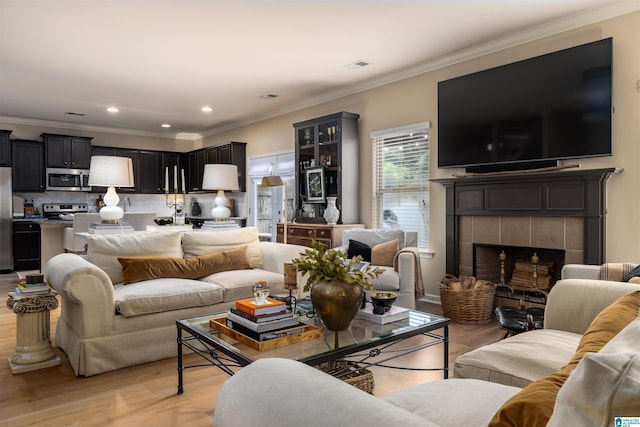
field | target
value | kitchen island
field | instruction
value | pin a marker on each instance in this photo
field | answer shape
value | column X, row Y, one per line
column 51, row 239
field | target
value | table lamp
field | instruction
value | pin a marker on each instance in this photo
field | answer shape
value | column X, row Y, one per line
column 111, row 172
column 220, row 177
column 276, row 181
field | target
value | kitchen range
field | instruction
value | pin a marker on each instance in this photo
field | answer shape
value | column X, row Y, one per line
column 63, row 211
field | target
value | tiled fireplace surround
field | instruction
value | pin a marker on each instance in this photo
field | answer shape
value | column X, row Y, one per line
column 504, row 232
column 562, row 210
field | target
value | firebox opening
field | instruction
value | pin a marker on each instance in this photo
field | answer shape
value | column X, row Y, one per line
column 518, row 266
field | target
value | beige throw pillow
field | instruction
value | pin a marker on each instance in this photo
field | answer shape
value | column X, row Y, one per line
column 384, row 253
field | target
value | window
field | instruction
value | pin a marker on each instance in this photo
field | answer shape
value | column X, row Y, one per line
column 401, row 179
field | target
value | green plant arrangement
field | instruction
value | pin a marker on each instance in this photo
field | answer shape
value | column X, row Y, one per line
column 331, row 264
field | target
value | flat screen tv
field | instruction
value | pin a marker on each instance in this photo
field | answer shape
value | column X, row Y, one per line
column 532, row 112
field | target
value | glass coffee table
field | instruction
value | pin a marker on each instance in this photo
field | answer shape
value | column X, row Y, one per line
column 367, row 343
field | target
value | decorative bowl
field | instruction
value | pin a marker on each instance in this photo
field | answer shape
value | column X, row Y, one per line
column 383, row 299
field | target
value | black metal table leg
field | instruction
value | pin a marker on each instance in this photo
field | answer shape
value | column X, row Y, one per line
column 180, row 367
column 446, row 352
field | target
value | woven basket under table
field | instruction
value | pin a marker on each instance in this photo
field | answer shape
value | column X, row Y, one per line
column 470, row 306
column 351, row 373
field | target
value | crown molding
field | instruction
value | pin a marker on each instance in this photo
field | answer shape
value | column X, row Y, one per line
column 104, row 129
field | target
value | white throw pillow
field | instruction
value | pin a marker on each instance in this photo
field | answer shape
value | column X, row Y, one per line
column 103, row 250
column 605, row 385
column 196, row 243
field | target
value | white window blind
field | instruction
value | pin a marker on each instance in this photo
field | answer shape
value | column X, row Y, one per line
column 401, row 179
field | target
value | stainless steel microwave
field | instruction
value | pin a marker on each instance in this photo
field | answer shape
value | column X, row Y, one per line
column 68, row 179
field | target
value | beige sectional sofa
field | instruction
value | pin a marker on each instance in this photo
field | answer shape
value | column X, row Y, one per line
column 583, row 369
column 571, row 307
column 106, row 324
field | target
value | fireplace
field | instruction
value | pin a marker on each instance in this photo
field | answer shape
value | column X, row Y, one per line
column 559, row 210
column 516, row 268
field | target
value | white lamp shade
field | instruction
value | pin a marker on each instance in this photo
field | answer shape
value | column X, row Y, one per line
column 220, row 177
column 113, row 171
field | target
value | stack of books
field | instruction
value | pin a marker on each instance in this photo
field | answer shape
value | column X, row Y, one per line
column 219, row 225
column 108, row 228
column 265, row 321
column 33, row 284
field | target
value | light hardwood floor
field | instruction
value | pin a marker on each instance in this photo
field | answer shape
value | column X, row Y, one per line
column 145, row 395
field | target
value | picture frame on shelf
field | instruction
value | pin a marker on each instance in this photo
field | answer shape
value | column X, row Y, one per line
column 314, row 184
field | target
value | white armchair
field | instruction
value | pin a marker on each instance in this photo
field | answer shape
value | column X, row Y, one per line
column 404, row 277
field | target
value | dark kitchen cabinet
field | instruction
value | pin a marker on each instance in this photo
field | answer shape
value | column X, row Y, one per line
column 26, row 246
column 134, row 155
column 151, row 172
column 5, row 148
column 197, row 160
column 64, row 151
column 27, row 171
column 150, row 166
column 170, row 162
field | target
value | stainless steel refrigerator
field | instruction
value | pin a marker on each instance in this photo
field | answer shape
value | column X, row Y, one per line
column 6, row 221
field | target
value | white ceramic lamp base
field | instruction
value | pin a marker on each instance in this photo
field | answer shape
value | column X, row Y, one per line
column 220, row 212
column 111, row 212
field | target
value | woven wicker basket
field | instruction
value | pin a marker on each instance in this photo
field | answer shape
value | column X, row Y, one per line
column 351, row 373
column 469, row 306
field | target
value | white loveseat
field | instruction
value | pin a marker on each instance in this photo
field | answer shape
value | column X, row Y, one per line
column 106, row 325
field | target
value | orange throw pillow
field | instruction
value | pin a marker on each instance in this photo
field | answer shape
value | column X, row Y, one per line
column 534, row 405
column 137, row 269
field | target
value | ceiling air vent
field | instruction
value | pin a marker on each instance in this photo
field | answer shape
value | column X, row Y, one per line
column 70, row 113
column 356, row 65
column 269, row 96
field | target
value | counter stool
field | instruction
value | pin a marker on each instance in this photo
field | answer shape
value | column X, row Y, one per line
column 515, row 320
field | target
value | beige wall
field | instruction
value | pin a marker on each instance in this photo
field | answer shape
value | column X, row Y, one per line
column 415, row 100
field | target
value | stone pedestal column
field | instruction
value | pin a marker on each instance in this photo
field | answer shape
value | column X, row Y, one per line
column 33, row 344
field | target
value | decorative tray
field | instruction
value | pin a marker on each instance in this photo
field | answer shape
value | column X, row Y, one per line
column 309, row 332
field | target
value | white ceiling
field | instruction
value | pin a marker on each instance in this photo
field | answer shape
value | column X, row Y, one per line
column 161, row 61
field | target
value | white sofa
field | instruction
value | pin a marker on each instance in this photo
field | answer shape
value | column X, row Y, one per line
column 106, row 325
column 401, row 279
column 521, row 359
column 590, row 391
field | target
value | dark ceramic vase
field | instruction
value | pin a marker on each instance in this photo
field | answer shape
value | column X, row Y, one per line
column 336, row 303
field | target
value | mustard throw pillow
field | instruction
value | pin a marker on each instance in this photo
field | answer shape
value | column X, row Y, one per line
column 137, row 269
column 533, row 405
column 384, row 253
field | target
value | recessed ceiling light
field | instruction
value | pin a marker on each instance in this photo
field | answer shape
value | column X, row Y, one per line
column 358, row 64
column 165, row 125
column 112, row 109
column 269, row 96
column 206, row 109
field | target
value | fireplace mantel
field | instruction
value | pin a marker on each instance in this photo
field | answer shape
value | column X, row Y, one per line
column 564, row 193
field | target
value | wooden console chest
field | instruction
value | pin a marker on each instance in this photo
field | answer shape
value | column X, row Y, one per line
column 304, row 234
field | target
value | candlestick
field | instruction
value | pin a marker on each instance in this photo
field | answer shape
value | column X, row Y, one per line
column 175, row 179
column 166, row 179
column 183, row 186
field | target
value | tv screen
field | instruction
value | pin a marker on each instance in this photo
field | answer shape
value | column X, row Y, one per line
column 551, row 107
